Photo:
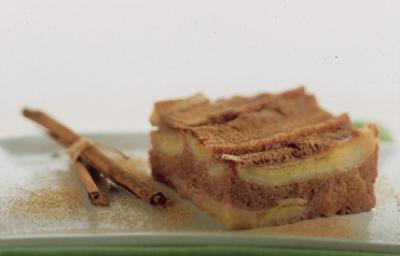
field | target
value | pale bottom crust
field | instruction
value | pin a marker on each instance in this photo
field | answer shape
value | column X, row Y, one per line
column 341, row 192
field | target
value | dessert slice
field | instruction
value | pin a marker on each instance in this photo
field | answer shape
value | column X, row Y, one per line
column 264, row 160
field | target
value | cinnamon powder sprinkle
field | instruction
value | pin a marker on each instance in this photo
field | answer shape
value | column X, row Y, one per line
column 48, row 202
column 129, row 213
column 56, row 203
column 333, row 227
column 55, row 196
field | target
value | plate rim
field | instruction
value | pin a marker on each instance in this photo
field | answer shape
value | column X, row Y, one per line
column 196, row 238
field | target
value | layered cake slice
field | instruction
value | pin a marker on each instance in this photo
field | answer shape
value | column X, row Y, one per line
column 265, row 160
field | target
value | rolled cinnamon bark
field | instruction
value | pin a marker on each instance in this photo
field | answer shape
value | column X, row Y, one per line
column 94, row 157
column 98, row 195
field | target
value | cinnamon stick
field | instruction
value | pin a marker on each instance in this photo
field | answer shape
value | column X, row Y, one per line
column 95, row 184
column 94, row 157
column 97, row 196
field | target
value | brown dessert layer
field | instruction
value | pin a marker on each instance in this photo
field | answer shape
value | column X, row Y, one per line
column 340, row 192
column 216, row 178
column 264, row 160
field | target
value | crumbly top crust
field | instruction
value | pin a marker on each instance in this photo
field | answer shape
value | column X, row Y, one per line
column 262, row 129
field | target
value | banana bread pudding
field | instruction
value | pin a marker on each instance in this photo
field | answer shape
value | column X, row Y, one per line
column 265, row 160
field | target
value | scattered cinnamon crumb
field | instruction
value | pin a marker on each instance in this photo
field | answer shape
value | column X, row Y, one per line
column 56, row 196
column 332, row 227
column 57, row 178
column 383, row 191
column 48, row 202
column 56, row 204
column 129, row 213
